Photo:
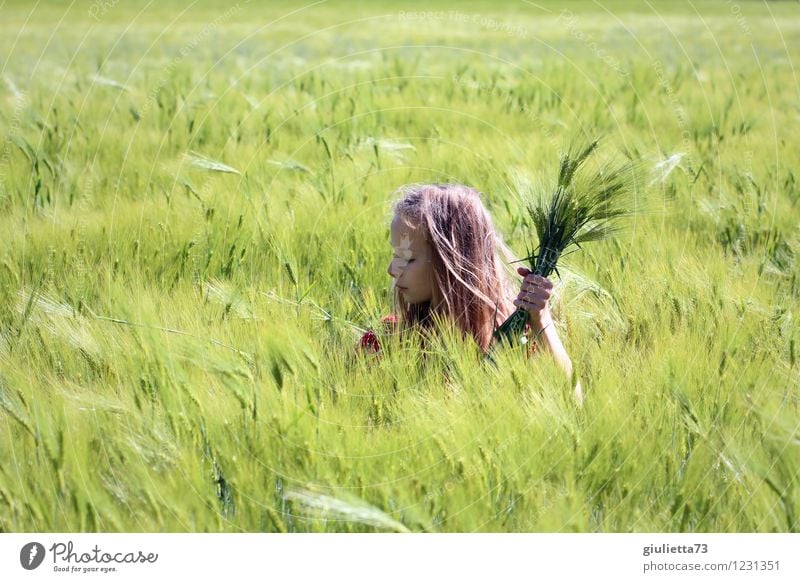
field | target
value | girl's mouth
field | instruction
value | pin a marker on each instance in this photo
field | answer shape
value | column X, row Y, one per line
column 401, row 289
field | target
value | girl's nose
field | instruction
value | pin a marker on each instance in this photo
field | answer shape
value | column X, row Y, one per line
column 390, row 270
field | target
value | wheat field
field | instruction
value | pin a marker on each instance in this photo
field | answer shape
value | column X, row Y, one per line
column 194, row 232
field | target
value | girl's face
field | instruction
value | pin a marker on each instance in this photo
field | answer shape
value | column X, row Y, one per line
column 411, row 265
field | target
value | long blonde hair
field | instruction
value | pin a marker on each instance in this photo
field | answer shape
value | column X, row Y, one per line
column 469, row 275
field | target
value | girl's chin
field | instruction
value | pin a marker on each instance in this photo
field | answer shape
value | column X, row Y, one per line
column 411, row 300
column 408, row 298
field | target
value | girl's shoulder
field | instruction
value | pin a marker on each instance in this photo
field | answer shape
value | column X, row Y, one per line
column 390, row 320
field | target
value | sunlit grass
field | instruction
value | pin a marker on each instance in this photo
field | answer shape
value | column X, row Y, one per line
column 191, row 244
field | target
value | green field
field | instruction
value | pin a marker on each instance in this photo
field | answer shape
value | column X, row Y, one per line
column 194, row 231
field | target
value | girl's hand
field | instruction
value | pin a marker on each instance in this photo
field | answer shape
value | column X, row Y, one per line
column 533, row 298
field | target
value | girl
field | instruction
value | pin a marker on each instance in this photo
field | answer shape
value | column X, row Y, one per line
column 446, row 264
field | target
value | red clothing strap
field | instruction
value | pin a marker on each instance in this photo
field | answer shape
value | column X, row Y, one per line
column 369, row 340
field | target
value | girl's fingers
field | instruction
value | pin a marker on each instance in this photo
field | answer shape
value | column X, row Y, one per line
column 536, row 288
column 533, row 303
column 537, row 280
column 541, row 294
column 534, row 299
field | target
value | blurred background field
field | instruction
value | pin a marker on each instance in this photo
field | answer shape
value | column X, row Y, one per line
column 194, row 232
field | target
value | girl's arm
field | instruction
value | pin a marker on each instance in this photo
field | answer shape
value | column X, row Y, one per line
column 534, row 298
column 547, row 336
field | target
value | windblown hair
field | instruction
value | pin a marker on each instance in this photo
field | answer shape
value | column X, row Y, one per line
column 469, row 274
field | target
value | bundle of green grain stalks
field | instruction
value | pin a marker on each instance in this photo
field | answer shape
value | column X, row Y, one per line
column 583, row 207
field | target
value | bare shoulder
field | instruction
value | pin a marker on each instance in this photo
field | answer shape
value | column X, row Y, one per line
column 390, row 321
